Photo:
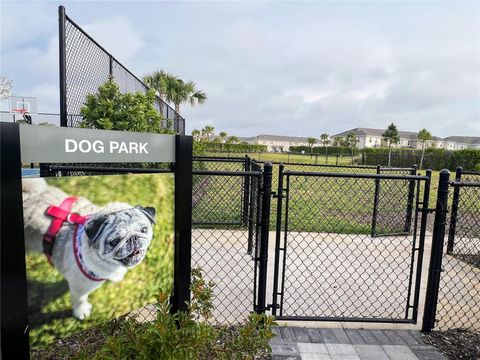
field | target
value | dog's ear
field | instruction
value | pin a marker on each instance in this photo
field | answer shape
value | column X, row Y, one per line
column 148, row 211
column 94, row 227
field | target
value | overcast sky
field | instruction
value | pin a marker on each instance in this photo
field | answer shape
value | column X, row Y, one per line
column 286, row 68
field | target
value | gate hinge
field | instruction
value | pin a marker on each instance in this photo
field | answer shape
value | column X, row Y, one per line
column 272, row 306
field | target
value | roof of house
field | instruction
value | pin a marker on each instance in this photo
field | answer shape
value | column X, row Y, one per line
column 375, row 132
column 408, row 135
column 464, row 139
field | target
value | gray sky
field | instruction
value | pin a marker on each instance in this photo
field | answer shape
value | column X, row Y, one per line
column 287, row 68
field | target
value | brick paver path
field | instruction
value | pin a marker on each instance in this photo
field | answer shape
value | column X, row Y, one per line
column 339, row 344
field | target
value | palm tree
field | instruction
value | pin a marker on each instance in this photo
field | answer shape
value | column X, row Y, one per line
column 338, row 141
column 325, row 141
column 156, row 80
column 391, row 137
column 174, row 90
column 352, row 142
column 311, row 141
column 222, row 136
column 424, row 136
column 196, row 134
column 232, row 140
column 207, row 131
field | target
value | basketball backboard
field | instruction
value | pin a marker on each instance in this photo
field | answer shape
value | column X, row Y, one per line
column 23, row 104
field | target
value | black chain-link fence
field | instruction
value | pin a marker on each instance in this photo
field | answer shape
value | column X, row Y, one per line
column 332, row 268
column 225, row 232
column 458, row 303
column 87, row 65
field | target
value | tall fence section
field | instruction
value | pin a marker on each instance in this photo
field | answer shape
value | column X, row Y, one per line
column 85, row 65
column 339, row 243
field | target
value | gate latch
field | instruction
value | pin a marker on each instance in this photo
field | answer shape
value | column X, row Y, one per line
column 428, row 210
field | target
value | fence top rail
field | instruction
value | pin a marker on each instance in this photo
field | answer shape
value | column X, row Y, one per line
column 319, row 165
column 226, row 173
column 79, row 28
column 218, row 159
column 465, row 184
column 355, row 175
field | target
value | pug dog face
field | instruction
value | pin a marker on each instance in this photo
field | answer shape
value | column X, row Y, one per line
column 122, row 237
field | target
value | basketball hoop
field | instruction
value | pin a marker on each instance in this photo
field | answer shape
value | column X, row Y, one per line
column 19, row 111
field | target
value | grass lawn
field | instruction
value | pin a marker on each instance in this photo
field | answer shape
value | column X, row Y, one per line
column 338, row 205
column 49, row 301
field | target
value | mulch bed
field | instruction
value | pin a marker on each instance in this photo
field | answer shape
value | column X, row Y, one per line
column 456, row 344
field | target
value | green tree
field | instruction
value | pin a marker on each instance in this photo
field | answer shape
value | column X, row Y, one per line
column 196, row 134
column 338, row 141
column 325, row 141
column 222, row 136
column 352, row 141
column 423, row 135
column 311, row 141
column 174, row 90
column 390, row 136
column 232, row 140
column 109, row 109
column 207, row 131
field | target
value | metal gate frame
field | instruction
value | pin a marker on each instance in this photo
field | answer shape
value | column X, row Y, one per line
column 421, row 207
column 410, row 201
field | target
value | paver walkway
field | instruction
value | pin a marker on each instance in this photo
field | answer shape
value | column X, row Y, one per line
column 339, row 344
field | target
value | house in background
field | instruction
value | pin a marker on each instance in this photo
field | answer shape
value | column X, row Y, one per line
column 372, row 138
column 278, row 143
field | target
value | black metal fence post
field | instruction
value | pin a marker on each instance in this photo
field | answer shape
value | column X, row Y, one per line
column 62, row 66
column 421, row 244
column 264, row 230
column 246, row 190
column 411, row 199
column 453, row 215
column 277, row 239
column 376, row 197
column 183, row 223
column 436, row 255
column 14, row 310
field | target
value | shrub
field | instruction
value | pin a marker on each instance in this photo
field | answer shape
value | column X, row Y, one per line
column 241, row 148
column 109, row 109
column 435, row 159
column 186, row 335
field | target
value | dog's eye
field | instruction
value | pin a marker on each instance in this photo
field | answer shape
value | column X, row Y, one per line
column 144, row 229
column 115, row 241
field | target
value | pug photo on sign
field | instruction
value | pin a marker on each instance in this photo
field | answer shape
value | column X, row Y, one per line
column 86, row 243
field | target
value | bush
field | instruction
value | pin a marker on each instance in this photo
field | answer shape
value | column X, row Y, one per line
column 241, row 148
column 109, row 109
column 435, row 159
column 185, row 335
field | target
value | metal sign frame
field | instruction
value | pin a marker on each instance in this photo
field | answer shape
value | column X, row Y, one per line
column 16, row 146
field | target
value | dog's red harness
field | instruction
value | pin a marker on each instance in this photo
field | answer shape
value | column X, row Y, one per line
column 60, row 215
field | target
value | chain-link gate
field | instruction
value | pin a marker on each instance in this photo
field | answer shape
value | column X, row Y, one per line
column 453, row 292
column 328, row 266
column 227, row 225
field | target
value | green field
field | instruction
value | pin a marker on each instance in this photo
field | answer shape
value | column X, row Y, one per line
column 49, row 301
column 317, row 204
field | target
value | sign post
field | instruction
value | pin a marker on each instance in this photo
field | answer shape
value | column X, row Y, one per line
column 36, row 144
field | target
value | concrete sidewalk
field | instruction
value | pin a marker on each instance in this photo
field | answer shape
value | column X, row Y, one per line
column 338, row 344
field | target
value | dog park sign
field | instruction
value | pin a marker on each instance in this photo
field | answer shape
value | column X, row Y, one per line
column 71, row 145
column 66, row 146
